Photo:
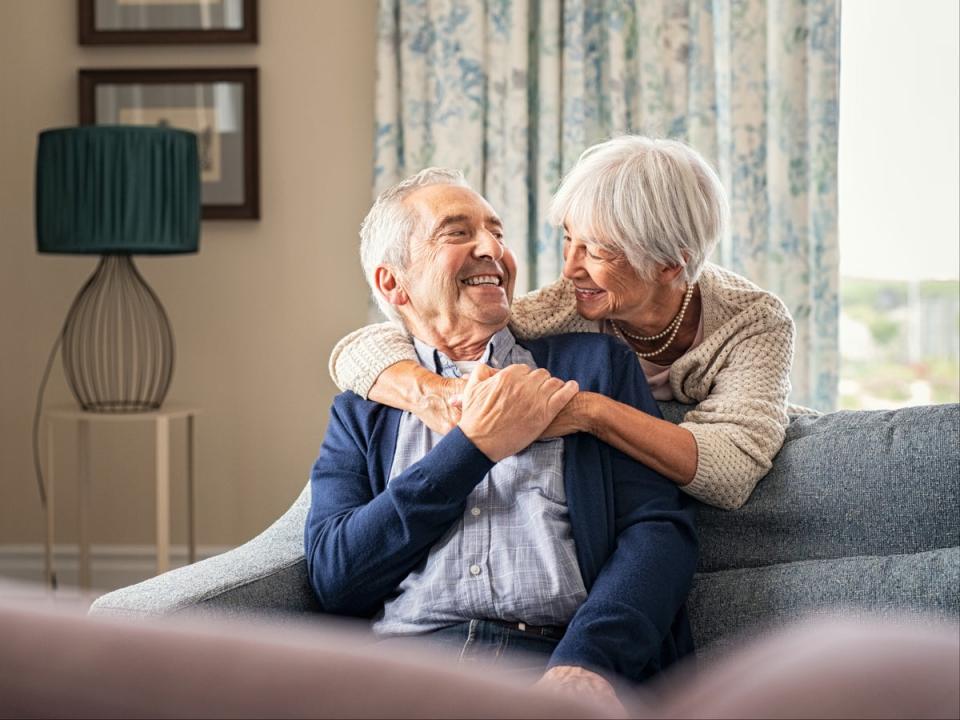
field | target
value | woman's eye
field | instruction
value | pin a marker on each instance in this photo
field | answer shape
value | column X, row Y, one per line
column 596, row 253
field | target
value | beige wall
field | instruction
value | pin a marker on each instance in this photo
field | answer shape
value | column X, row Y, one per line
column 255, row 314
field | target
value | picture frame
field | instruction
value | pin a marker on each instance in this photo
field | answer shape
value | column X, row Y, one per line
column 166, row 22
column 219, row 104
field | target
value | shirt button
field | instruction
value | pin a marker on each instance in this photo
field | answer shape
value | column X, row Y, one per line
column 475, row 511
column 474, row 569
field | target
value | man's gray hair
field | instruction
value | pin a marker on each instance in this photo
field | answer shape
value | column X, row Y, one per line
column 656, row 201
column 387, row 229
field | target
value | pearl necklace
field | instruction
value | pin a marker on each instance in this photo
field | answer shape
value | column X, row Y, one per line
column 673, row 328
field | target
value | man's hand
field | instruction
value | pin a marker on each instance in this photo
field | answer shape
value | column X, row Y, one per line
column 581, row 682
column 505, row 411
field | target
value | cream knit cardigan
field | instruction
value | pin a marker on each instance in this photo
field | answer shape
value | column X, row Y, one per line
column 738, row 377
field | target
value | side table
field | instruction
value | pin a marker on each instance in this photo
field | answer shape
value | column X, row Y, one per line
column 161, row 420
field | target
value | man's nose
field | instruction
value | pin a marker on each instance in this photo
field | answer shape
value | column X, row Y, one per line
column 488, row 246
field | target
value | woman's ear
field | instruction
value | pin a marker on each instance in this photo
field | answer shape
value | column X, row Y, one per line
column 668, row 274
column 388, row 284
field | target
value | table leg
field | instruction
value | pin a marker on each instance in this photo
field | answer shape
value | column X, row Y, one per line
column 83, row 501
column 191, row 500
column 48, row 555
column 163, row 494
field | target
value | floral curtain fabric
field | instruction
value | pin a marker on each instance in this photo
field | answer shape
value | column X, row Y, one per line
column 512, row 91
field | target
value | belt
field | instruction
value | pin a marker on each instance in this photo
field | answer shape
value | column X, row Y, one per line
column 552, row 632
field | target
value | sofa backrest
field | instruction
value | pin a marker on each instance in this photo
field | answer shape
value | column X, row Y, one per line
column 869, row 483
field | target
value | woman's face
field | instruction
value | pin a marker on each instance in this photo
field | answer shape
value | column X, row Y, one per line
column 607, row 285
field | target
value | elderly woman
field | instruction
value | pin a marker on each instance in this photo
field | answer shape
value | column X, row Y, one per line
column 640, row 217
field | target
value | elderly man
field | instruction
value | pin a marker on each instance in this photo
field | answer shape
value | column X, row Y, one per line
column 488, row 537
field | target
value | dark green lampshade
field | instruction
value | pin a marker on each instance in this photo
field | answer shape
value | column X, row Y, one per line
column 117, row 189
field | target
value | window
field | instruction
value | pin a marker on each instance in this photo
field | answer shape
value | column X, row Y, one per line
column 899, row 203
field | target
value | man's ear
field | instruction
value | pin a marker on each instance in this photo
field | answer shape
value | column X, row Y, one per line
column 388, row 284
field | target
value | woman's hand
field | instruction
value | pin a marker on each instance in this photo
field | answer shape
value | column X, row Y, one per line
column 669, row 449
column 575, row 417
column 441, row 403
column 434, row 399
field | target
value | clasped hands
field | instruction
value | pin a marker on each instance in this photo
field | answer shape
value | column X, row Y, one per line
column 502, row 411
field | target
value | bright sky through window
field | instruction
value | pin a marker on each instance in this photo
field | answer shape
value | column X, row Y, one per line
column 899, row 164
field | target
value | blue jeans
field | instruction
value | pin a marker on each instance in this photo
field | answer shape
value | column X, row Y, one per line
column 481, row 642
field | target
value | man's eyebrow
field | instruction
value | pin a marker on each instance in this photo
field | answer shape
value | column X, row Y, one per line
column 448, row 220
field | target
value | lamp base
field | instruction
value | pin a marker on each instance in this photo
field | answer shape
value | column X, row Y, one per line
column 117, row 341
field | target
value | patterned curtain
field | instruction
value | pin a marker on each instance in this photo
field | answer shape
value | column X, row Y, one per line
column 512, row 91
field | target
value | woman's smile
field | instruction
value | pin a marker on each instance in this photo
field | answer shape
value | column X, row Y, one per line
column 588, row 295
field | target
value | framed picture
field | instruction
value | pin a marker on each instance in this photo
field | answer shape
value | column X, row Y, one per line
column 218, row 104
column 148, row 22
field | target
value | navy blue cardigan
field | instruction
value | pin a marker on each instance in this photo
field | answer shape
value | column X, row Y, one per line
column 634, row 530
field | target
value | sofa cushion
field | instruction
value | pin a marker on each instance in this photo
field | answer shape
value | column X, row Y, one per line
column 57, row 664
column 727, row 604
column 847, row 484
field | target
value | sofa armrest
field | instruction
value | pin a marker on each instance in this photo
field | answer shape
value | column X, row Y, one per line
column 265, row 575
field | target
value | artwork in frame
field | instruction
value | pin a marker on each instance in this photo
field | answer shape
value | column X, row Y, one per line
column 150, row 22
column 218, row 104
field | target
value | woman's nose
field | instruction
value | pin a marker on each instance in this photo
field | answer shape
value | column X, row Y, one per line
column 572, row 265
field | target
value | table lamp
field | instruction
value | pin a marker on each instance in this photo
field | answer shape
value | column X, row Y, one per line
column 116, row 191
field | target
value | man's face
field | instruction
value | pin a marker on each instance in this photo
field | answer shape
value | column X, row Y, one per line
column 460, row 277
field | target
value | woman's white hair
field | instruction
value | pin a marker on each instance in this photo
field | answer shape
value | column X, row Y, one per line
column 387, row 229
column 656, row 201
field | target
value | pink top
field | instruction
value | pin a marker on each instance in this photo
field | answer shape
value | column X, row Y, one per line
column 658, row 376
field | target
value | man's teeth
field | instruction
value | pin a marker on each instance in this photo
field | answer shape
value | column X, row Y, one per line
column 483, row 280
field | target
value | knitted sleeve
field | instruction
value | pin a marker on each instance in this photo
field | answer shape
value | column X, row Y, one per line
column 358, row 359
column 551, row 310
column 740, row 426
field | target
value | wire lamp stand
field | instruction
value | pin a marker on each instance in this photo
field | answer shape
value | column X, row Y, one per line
column 117, row 341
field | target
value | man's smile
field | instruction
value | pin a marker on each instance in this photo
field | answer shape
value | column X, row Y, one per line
column 494, row 280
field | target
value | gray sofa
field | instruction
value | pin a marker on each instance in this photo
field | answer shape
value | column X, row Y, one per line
column 860, row 512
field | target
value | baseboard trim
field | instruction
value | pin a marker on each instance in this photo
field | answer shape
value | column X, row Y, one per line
column 111, row 566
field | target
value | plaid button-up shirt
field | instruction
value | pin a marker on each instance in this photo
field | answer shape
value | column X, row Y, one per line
column 511, row 556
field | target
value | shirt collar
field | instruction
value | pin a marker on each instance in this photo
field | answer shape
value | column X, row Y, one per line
column 495, row 355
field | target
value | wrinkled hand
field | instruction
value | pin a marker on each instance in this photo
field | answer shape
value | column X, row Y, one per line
column 505, row 411
column 440, row 409
column 572, row 419
column 581, row 682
